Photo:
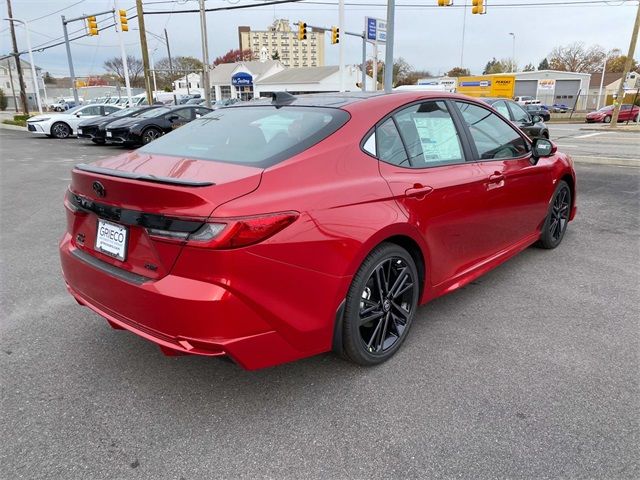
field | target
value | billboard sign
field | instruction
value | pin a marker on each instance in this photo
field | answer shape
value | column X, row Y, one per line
column 501, row 86
column 547, row 85
column 376, row 29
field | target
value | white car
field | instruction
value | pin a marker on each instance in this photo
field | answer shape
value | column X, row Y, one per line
column 65, row 124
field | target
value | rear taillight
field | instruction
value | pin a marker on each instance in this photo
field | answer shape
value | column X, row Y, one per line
column 223, row 233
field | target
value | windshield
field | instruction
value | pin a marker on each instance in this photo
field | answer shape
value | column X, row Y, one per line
column 123, row 113
column 259, row 135
column 604, row 109
column 154, row 112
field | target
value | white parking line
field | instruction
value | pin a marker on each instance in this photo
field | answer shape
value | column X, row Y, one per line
column 587, row 135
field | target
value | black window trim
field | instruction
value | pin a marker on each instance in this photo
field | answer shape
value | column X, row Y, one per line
column 476, row 155
column 467, row 147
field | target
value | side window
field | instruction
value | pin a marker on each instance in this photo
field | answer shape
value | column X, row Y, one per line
column 493, row 137
column 92, row 110
column 502, row 108
column 429, row 134
column 389, row 144
column 201, row 111
column 369, row 145
column 109, row 109
column 625, row 107
column 184, row 114
column 520, row 115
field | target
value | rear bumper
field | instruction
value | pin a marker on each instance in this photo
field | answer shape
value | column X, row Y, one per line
column 182, row 315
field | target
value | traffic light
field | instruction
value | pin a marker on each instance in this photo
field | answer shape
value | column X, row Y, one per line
column 335, row 35
column 124, row 23
column 92, row 25
column 445, row 3
column 302, row 31
column 478, row 7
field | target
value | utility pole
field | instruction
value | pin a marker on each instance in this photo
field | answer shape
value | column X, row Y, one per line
column 604, row 70
column 627, row 68
column 36, row 87
column 205, row 56
column 72, row 74
column 145, row 52
column 125, row 64
column 341, row 45
column 23, row 90
column 13, row 89
column 464, row 27
column 364, row 61
column 513, row 52
column 388, row 58
column 166, row 40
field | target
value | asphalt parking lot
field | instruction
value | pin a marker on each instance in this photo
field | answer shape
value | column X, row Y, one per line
column 532, row 371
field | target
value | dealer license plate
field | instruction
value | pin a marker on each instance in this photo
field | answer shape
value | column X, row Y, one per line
column 111, row 239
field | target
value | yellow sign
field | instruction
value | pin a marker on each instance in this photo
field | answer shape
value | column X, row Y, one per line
column 502, row 86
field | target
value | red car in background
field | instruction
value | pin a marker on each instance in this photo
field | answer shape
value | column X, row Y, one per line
column 628, row 113
column 275, row 230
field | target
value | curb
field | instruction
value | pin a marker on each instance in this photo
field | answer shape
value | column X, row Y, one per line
column 620, row 162
column 620, row 128
column 12, row 127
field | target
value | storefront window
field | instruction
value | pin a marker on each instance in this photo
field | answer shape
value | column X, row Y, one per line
column 225, row 92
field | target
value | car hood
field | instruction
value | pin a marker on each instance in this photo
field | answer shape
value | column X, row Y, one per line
column 52, row 116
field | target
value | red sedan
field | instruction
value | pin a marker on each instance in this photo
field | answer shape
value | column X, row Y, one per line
column 628, row 113
column 272, row 231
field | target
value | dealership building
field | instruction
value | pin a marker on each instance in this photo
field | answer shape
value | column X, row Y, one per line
column 553, row 86
column 254, row 79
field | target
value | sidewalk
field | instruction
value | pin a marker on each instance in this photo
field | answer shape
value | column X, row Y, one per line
column 605, row 127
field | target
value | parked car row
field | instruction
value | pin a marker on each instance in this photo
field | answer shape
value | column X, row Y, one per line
column 103, row 123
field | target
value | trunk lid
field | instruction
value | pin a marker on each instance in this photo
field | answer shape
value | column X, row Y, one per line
column 140, row 191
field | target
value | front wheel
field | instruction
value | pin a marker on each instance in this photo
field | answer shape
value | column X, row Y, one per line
column 60, row 130
column 150, row 134
column 607, row 119
column 555, row 225
column 380, row 305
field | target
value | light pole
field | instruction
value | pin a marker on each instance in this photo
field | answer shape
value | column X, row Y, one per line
column 513, row 52
column 33, row 67
column 604, row 70
column 388, row 57
column 205, row 55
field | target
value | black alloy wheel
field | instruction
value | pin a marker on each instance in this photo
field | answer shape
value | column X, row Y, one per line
column 60, row 130
column 557, row 219
column 150, row 134
column 381, row 305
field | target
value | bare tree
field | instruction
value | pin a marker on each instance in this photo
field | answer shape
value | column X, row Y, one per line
column 136, row 70
column 576, row 57
column 182, row 66
column 458, row 72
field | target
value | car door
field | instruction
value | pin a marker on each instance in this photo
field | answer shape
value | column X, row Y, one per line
column 423, row 158
column 90, row 111
column 625, row 113
column 518, row 191
column 185, row 115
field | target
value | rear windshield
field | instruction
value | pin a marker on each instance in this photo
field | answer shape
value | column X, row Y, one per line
column 259, row 136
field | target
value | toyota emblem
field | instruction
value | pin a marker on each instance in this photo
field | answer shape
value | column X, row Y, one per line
column 99, row 189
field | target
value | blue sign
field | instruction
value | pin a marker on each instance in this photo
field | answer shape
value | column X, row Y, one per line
column 376, row 29
column 242, row 79
column 372, row 24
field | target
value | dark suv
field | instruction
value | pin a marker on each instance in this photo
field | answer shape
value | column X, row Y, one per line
column 532, row 125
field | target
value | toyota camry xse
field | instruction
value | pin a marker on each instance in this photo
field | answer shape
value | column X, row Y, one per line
column 274, row 230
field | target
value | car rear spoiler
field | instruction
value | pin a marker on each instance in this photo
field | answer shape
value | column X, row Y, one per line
column 145, row 177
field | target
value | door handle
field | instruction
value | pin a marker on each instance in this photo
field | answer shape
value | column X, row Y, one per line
column 418, row 191
column 496, row 177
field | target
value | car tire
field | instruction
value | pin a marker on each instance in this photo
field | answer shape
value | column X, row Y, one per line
column 380, row 305
column 150, row 134
column 555, row 225
column 60, row 130
column 606, row 119
column 635, row 120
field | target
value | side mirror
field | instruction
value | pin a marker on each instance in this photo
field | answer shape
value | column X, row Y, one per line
column 78, row 114
column 542, row 147
column 536, row 119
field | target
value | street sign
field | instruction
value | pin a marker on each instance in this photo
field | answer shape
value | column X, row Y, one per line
column 376, row 29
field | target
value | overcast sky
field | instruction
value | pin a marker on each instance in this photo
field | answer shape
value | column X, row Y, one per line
column 428, row 38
